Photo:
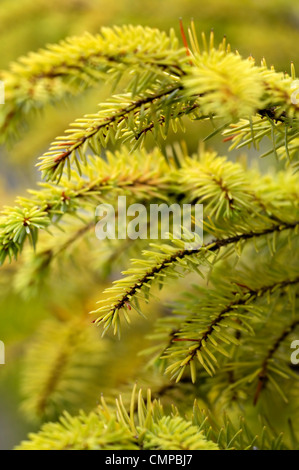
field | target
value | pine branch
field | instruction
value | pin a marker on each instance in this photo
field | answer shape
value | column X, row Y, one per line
column 212, row 338
column 108, row 124
column 234, row 88
column 146, row 178
column 147, row 427
column 262, row 377
column 77, row 63
column 226, row 189
column 283, row 134
column 140, row 279
column 124, row 119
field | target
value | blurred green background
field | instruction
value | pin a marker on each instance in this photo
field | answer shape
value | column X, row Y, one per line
column 267, row 29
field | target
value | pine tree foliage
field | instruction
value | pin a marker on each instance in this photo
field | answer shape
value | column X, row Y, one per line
column 69, row 68
column 144, row 426
column 103, row 180
column 226, row 341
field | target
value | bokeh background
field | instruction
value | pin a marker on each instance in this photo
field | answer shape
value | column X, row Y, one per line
column 267, row 29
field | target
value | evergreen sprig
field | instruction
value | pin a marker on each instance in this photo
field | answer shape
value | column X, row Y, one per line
column 145, row 426
column 67, row 69
column 226, row 342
